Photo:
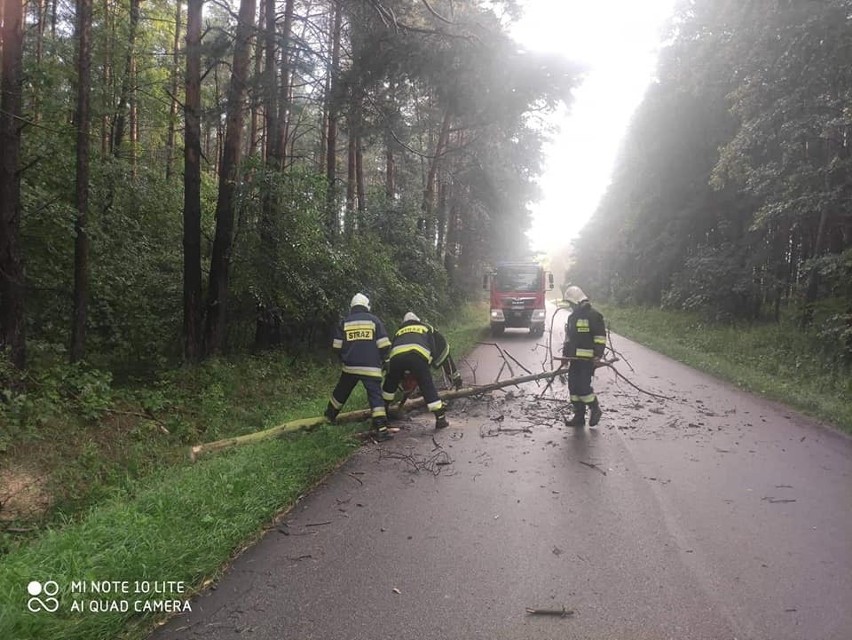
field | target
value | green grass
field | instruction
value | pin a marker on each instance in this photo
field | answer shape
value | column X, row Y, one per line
column 130, row 505
column 469, row 326
column 774, row 360
column 180, row 524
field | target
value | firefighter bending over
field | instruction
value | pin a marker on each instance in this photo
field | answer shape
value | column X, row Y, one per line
column 585, row 341
column 414, row 348
column 362, row 344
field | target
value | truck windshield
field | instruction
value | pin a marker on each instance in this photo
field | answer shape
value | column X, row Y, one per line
column 524, row 279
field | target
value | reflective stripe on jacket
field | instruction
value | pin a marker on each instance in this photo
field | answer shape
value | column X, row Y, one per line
column 414, row 336
column 442, row 350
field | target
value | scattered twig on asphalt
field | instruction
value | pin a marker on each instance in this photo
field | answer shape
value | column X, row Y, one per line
column 287, row 532
column 433, row 464
column 487, row 432
column 562, row 613
column 592, row 465
column 361, row 482
column 318, row 524
column 618, row 374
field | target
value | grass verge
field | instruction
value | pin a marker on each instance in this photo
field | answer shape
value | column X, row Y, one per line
column 775, row 360
column 177, row 525
column 166, row 519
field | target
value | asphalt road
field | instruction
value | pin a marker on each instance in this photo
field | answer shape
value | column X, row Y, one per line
column 710, row 516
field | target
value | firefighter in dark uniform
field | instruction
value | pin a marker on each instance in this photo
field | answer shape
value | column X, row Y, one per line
column 362, row 343
column 444, row 361
column 413, row 350
column 585, row 341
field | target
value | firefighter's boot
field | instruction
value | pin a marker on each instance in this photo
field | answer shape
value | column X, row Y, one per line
column 579, row 418
column 380, row 429
column 595, row 415
column 441, row 421
column 330, row 413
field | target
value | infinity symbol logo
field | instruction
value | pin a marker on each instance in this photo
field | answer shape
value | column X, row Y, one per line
column 49, row 604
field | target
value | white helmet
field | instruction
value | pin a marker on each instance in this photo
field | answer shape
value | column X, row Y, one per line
column 360, row 300
column 575, row 295
column 410, row 317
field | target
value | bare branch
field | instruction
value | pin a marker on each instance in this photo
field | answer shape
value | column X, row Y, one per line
column 436, row 14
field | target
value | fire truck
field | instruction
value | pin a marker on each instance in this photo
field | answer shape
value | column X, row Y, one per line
column 517, row 296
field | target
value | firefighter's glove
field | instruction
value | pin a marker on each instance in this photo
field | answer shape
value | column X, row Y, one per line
column 566, row 349
column 457, row 380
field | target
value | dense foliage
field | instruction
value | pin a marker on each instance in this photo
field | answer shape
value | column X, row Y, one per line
column 385, row 147
column 731, row 197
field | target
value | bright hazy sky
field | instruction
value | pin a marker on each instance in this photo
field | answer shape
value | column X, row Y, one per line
column 617, row 40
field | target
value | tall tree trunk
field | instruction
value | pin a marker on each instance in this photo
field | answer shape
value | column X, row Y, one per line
column 450, row 246
column 270, row 89
column 124, row 98
column 41, row 17
column 443, row 188
column 812, row 289
column 331, row 99
column 220, row 261
column 256, row 100
column 81, row 192
column 12, row 327
column 351, row 144
column 133, row 122
column 173, row 103
column 285, row 87
column 429, row 190
column 192, row 186
column 390, row 169
column 107, row 95
column 359, row 180
column 323, row 142
column 266, row 321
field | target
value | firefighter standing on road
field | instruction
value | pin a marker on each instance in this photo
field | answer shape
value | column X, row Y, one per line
column 414, row 348
column 585, row 341
column 362, row 343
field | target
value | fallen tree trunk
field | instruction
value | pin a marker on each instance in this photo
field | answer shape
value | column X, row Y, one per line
column 364, row 414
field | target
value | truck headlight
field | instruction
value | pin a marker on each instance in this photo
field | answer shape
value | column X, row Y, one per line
column 539, row 314
column 497, row 315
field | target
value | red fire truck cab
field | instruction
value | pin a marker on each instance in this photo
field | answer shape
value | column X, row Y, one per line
column 517, row 296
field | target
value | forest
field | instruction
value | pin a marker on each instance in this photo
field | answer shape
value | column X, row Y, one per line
column 183, row 180
column 731, row 196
